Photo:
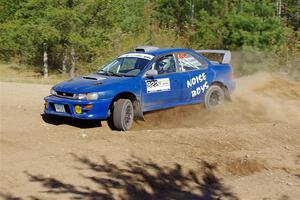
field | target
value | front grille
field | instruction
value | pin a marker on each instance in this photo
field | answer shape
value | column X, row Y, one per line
column 65, row 95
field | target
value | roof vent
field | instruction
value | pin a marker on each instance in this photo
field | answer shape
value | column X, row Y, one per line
column 145, row 48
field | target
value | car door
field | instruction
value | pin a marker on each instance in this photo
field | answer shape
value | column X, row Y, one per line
column 164, row 89
column 200, row 76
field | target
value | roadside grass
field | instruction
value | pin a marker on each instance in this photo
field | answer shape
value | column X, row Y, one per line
column 11, row 72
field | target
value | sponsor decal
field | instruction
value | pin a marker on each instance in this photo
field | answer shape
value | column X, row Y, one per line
column 137, row 55
column 158, row 85
column 200, row 82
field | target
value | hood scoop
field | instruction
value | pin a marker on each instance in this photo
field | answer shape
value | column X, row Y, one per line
column 95, row 77
column 90, row 78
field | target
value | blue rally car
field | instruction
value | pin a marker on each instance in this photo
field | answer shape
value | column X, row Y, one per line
column 144, row 80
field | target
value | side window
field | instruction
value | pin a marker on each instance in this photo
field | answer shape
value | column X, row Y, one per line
column 188, row 62
column 165, row 65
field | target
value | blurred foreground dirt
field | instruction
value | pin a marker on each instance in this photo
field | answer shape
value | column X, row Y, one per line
column 248, row 149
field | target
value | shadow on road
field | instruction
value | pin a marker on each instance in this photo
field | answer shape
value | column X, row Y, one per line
column 137, row 179
column 79, row 123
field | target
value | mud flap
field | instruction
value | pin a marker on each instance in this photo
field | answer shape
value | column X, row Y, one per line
column 138, row 113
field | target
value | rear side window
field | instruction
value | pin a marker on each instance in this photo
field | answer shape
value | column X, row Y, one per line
column 189, row 62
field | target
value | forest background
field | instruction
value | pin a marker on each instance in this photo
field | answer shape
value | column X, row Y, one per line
column 262, row 34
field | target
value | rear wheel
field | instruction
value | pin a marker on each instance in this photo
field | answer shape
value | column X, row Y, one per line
column 214, row 97
column 122, row 116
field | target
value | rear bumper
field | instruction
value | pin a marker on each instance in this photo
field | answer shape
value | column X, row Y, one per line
column 99, row 110
column 231, row 85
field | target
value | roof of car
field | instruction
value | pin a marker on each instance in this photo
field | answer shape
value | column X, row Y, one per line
column 166, row 50
column 157, row 52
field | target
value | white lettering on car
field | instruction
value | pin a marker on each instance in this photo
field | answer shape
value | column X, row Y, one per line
column 200, row 82
column 196, row 80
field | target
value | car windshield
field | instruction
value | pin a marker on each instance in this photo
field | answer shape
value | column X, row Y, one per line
column 125, row 66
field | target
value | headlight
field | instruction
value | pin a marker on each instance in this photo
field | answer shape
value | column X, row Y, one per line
column 81, row 96
column 88, row 96
column 92, row 96
column 53, row 92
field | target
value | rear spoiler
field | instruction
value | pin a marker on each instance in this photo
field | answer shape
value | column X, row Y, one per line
column 226, row 56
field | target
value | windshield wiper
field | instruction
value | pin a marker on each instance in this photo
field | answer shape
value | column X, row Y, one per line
column 110, row 73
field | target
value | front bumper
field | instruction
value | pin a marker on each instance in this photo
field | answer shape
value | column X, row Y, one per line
column 99, row 110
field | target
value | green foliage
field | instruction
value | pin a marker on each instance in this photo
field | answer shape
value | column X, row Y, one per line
column 244, row 29
column 102, row 29
column 173, row 14
column 291, row 12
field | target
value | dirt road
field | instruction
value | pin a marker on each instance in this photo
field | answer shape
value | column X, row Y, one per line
column 249, row 149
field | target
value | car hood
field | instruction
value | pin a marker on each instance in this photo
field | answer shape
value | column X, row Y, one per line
column 90, row 83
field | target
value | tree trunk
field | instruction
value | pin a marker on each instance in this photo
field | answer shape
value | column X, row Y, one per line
column 72, row 70
column 45, row 61
column 279, row 6
column 225, row 7
column 192, row 10
column 64, row 68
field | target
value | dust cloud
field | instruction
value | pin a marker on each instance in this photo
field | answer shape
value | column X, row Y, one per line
column 259, row 98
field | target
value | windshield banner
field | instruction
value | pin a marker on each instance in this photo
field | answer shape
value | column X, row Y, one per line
column 137, row 55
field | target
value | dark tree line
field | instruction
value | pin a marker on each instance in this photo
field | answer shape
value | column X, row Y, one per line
column 98, row 29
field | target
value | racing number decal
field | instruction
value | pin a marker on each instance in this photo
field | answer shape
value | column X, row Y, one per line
column 158, row 85
column 152, row 84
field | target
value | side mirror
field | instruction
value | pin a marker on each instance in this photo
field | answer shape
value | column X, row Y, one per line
column 151, row 72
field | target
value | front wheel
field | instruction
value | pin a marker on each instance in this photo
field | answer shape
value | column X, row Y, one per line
column 123, row 115
column 214, row 97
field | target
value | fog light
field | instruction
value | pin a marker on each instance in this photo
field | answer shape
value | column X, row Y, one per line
column 89, row 106
column 46, row 105
column 78, row 109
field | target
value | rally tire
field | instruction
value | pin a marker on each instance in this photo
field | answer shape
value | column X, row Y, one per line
column 123, row 115
column 214, row 97
column 110, row 122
